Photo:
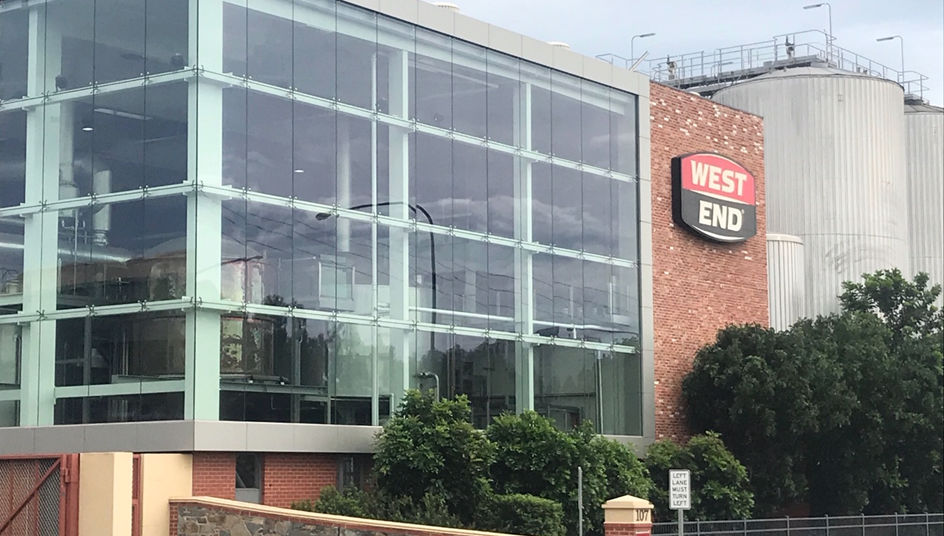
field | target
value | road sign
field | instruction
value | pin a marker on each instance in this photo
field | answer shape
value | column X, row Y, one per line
column 680, row 489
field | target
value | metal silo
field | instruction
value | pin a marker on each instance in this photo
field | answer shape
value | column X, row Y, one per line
column 835, row 171
column 924, row 130
column 785, row 279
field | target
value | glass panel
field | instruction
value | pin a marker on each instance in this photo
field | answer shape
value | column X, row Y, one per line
column 624, row 213
column 11, row 346
column 123, row 252
column 124, row 140
column 315, row 261
column 352, row 379
column 626, row 306
column 12, row 157
column 598, row 296
column 623, row 142
column 235, row 19
column 268, row 150
column 568, row 293
column 314, row 43
column 481, row 368
column 572, row 385
column 542, row 204
column 501, row 194
column 620, row 385
column 566, row 385
column 125, row 408
column 356, row 56
column 469, row 89
column 501, row 287
column 537, row 80
column 268, row 47
column 14, row 43
column 565, row 116
column 70, row 44
column 315, row 153
column 11, row 265
column 595, row 124
column 596, row 218
column 431, row 178
column 355, row 150
column 567, row 219
column 166, row 45
column 120, row 349
column 502, row 86
column 470, row 187
column 431, row 74
column 10, row 413
column 255, row 406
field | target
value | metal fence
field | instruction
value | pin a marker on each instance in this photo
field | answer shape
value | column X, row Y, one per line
column 884, row 525
column 38, row 496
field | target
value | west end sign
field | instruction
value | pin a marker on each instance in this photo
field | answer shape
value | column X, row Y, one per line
column 714, row 197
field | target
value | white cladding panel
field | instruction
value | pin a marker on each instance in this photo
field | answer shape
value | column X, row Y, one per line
column 925, row 156
column 834, row 149
column 785, row 279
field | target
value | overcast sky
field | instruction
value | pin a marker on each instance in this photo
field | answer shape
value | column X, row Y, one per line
column 598, row 26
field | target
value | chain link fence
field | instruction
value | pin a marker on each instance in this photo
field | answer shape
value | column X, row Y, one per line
column 18, row 483
column 884, row 525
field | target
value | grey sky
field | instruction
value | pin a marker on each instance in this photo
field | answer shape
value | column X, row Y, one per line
column 596, row 26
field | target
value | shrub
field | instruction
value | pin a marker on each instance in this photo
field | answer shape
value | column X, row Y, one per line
column 524, row 514
column 719, row 484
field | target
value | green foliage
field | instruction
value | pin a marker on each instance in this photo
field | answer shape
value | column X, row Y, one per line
column 844, row 412
column 430, row 509
column 751, row 387
column 524, row 514
column 431, row 447
column 533, row 457
column 720, row 487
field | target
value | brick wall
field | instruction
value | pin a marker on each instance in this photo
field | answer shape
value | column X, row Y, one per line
column 214, row 474
column 291, row 477
column 699, row 286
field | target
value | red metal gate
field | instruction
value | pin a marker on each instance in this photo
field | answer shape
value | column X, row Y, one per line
column 39, row 495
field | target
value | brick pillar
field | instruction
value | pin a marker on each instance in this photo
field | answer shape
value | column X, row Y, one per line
column 627, row 516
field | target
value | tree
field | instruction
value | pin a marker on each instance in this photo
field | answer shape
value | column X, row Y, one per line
column 534, row 457
column 843, row 412
column 719, row 484
column 752, row 387
column 430, row 446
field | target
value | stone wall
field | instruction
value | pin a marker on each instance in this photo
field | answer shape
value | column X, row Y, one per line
column 208, row 516
column 699, row 286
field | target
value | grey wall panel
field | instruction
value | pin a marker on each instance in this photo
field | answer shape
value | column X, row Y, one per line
column 835, row 172
column 924, row 127
column 785, row 279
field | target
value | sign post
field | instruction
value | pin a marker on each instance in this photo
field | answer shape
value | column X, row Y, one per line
column 680, row 494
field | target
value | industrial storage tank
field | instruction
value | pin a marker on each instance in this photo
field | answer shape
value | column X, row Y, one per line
column 924, row 131
column 835, row 171
column 785, row 279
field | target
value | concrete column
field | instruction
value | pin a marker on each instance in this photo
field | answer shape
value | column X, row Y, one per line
column 105, row 493
column 204, row 213
column 627, row 516
column 524, row 311
column 163, row 476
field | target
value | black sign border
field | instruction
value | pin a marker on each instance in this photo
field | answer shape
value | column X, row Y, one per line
column 677, row 197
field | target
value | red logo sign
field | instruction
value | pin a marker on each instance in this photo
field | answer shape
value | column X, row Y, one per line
column 714, row 197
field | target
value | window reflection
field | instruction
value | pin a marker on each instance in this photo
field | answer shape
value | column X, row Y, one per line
column 120, row 349
column 14, row 57
column 124, row 408
column 122, row 252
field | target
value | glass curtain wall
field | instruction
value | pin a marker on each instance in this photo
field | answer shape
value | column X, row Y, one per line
column 360, row 206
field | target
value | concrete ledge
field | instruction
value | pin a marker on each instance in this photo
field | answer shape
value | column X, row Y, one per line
column 285, row 514
column 189, row 436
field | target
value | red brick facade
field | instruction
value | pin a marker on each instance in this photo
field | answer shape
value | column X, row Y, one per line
column 214, row 474
column 292, row 477
column 286, row 478
column 699, row 286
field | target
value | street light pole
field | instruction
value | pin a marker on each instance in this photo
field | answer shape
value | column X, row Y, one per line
column 632, row 53
column 829, row 15
column 901, row 43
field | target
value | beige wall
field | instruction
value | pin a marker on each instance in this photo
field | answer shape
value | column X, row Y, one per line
column 162, row 476
column 105, row 494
